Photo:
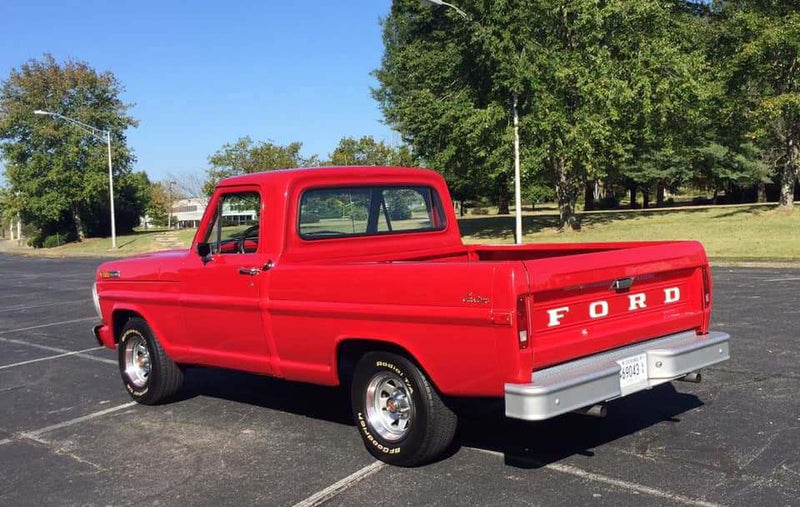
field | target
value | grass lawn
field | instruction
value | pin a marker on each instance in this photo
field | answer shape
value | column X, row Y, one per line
column 129, row 244
column 729, row 233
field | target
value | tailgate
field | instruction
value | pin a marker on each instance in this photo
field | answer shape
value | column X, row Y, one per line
column 588, row 303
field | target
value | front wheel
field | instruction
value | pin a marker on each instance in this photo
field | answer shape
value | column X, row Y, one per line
column 399, row 414
column 149, row 375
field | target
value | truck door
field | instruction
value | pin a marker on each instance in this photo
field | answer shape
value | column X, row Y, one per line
column 221, row 293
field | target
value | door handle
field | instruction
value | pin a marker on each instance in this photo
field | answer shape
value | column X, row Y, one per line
column 249, row 271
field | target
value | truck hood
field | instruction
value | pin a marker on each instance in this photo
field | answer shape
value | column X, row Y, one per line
column 149, row 267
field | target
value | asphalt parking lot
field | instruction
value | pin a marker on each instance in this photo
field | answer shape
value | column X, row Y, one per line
column 69, row 433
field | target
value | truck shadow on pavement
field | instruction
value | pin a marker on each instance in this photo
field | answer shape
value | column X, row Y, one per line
column 482, row 424
column 536, row 444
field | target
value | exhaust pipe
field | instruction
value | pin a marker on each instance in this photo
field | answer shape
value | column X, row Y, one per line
column 695, row 377
column 598, row 410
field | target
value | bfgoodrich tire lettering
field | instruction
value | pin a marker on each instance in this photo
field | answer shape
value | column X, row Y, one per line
column 398, row 413
column 148, row 374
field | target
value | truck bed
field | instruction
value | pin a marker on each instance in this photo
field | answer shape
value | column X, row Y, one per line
column 580, row 277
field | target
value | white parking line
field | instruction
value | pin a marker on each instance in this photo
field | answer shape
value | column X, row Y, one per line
column 36, row 435
column 45, row 290
column 59, row 350
column 337, row 487
column 781, row 280
column 9, row 331
column 48, row 358
column 15, row 308
column 631, row 486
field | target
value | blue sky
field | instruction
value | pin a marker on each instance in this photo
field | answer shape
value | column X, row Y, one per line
column 204, row 73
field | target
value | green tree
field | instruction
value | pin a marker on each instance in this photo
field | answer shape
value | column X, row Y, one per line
column 593, row 80
column 58, row 173
column 759, row 41
column 666, row 113
column 367, row 151
column 132, row 194
column 160, row 201
column 246, row 156
column 434, row 89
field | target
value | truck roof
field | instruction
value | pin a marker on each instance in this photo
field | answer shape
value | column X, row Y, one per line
column 283, row 176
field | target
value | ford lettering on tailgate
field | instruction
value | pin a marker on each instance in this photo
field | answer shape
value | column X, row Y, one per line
column 617, row 304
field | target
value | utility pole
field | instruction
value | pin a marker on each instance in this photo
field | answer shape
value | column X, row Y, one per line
column 517, row 189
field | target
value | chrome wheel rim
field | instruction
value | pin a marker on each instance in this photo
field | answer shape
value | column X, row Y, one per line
column 137, row 361
column 390, row 409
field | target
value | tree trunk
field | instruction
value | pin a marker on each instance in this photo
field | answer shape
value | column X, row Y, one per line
column 461, row 208
column 660, row 195
column 645, row 197
column 762, row 192
column 588, row 196
column 788, row 176
column 632, row 188
column 502, row 193
column 76, row 217
column 503, row 203
column 567, row 193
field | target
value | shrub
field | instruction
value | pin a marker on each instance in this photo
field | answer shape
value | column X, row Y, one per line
column 399, row 211
column 35, row 240
column 608, row 202
column 359, row 213
column 56, row 239
column 309, row 218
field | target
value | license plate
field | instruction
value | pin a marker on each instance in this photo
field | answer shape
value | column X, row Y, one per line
column 632, row 370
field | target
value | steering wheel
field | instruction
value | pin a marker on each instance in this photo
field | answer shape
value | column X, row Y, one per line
column 250, row 232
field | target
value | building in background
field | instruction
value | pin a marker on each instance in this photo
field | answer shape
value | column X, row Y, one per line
column 188, row 213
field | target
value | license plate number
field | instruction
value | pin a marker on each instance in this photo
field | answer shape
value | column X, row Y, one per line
column 632, row 370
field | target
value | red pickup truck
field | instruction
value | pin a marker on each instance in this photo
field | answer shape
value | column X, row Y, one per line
column 358, row 276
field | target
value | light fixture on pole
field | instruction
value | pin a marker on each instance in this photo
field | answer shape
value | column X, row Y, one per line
column 517, row 183
column 440, row 3
column 102, row 135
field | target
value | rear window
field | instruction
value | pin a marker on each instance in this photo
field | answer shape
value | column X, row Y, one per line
column 369, row 210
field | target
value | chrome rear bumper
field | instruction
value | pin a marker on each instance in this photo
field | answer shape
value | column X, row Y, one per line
column 595, row 379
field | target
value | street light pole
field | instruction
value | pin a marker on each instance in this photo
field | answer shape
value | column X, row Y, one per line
column 111, row 193
column 169, row 204
column 517, row 189
column 517, row 182
column 102, row 135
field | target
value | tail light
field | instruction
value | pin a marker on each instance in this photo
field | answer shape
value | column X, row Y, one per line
column 706, row 289
column 522, row 322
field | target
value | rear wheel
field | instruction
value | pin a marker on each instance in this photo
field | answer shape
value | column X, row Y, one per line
column 399, row 414
column 148, row 374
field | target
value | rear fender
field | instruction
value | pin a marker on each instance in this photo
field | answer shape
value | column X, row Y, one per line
column 392, row 345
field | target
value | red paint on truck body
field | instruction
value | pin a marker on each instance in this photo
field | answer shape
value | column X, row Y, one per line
column 452, row 307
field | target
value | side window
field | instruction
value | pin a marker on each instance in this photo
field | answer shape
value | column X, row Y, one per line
column 236, row 224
